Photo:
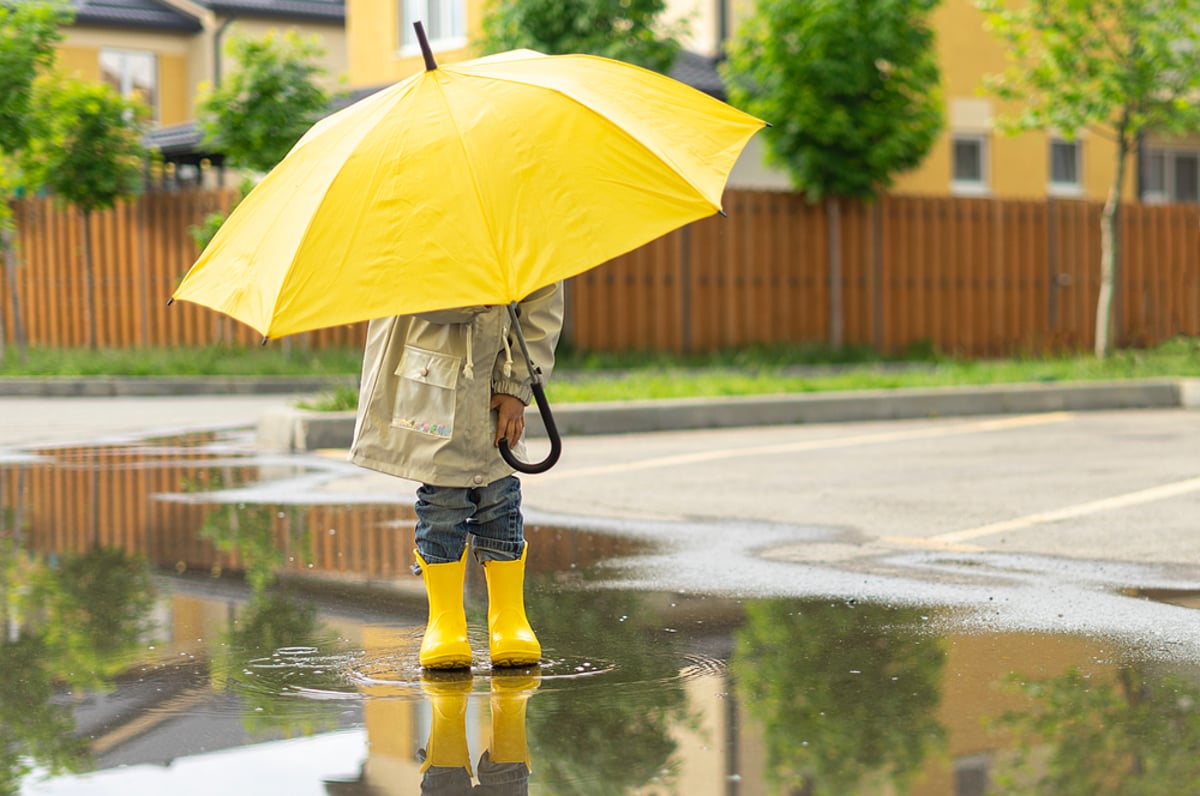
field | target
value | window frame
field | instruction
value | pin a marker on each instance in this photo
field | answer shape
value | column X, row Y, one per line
column 982, row 186
column 1166, row 192
column 126, row 89
column 453, row 17
column 1059, row 188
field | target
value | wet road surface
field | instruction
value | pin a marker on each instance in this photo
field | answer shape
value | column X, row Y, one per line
column 930, row 607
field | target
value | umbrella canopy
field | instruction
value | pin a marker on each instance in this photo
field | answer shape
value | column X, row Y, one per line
column 468, row 184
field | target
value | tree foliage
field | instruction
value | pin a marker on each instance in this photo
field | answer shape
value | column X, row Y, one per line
column 86, row 147
column 87, row 143
column 28, row 34
column 262, row 109
column 627, row 30
column 851, row 88
column 1117, row 67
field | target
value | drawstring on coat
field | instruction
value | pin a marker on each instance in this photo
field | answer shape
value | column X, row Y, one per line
column 507, row 355
column 469, row 368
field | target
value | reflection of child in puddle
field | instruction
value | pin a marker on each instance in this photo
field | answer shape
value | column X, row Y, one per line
column 504, row 766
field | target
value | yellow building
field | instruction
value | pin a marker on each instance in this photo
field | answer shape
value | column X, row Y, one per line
column 972, row 157
column 162, row 51
column 165, row 51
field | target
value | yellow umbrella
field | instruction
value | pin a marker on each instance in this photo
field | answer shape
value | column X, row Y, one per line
column 468, row 184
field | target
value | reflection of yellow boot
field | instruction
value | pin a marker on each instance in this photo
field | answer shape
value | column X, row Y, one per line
column 445, row 643
column 510, row 694
column 512, row 641
column 447, row 745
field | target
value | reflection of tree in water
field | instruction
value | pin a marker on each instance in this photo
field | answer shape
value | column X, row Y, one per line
column 1137, row 735
column 249, row 531
column 846, row 694
column 97, row 608
column 616, row 739
column 270, row 680
column 79, row 624
column 273, row 620
column 33, row 730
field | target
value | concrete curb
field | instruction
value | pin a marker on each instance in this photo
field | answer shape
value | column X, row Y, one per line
column 159, row 386
column 296, row 429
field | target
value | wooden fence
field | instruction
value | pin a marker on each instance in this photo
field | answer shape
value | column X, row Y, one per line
column 976, row 276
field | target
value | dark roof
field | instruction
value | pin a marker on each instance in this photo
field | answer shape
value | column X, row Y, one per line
column 326, row 10
column 145, row 14
column 698, row 71
column 186, row 139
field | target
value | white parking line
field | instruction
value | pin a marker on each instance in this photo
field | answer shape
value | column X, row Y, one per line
column 875, row 438
column 1150, row 495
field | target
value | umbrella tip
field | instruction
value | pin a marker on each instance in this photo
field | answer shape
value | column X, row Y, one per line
column 170, row 301
column 426, row 52
column 263, row 341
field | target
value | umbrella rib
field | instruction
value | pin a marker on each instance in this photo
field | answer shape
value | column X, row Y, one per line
column 479, row 203
column 662, row 157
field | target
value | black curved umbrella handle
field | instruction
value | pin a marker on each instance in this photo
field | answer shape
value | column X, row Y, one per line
column 539, row 394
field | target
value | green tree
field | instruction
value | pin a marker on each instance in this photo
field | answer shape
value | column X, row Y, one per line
column 86, row 147
column 28, row 34
column 852, row 91
column 1119, row 68
column 258, row 113
column 847, row 694
column 627, row 30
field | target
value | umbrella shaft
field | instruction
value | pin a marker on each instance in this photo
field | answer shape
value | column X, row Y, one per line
column 534, row 373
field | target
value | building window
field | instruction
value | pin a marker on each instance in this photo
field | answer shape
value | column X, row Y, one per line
column 1065, row 168
column 1171, row 175
column 970, row 164
column 444, row 22
column 134, row 74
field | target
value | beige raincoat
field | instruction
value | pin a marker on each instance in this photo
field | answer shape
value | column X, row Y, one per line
column 428, row 380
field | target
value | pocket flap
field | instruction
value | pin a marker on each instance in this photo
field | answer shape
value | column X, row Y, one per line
column 429, row 367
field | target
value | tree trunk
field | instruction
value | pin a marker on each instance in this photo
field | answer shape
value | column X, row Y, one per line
column 10, row 270
column 89, row 286
column 833, row 227
column 1110, row 254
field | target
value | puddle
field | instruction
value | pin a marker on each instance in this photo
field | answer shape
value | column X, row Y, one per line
column 153, row 644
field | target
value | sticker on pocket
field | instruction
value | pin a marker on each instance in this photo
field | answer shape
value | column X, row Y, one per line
column 425, row 392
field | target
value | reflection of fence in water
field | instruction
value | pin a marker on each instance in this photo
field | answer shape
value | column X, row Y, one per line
column 75, row 498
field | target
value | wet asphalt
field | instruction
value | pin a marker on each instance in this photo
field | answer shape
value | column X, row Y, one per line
column 1055, row 521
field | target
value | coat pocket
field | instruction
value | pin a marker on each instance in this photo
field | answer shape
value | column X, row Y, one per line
column 425, row 392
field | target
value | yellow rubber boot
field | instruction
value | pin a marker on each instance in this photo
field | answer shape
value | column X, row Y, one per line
column 511, row 639
column 445, row 644
column 509, row 697
column 447, row 745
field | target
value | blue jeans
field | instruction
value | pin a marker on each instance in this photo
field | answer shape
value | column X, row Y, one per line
column 446, row 515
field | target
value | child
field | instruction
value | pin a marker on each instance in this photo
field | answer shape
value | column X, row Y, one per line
column 426, row 413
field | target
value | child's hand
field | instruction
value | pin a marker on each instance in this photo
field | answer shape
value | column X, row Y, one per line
column 510, row 418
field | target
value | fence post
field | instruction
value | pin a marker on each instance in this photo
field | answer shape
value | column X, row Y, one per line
column 833, row 229
column 877, row 273
column 1052, row 285
column 685, row 289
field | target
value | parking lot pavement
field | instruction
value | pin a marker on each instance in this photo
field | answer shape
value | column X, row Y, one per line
column 1116, row 486
column 1120, row 486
